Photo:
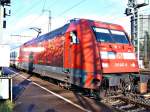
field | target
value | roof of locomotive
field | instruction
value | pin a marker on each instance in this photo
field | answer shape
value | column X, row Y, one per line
column 49, row 35
column 64, row 29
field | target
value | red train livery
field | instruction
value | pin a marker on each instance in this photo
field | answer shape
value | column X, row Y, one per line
column 83, row 52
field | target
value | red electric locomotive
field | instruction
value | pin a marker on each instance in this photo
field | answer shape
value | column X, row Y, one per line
column 86, row 53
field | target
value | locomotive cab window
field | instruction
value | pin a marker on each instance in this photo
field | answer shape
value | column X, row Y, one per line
column 111, row 36
column 74, row 38
column 102, row 35
column 119, row 37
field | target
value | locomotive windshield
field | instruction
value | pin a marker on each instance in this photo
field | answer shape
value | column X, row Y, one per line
column 111, row 36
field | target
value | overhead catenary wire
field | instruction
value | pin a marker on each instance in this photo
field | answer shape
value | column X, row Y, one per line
column 65, row 11
column 41, row 13
column 35, row 19
column 44, row 5
column 60, row 14
column 52, row 5
column 34, row 5
column 70, row 8
column 76, row 5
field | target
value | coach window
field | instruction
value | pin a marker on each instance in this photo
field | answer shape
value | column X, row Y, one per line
column 14, row 54
column 74, row 38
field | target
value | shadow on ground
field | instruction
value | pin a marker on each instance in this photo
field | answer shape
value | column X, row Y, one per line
column 19, row 88
column 96, row 107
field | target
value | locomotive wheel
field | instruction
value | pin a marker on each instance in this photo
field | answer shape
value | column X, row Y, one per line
column 126, row 87
column 123, row 86
column 103, row 89
column 102, row 93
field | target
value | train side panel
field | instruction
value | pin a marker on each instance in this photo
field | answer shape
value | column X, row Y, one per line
column 47, row 60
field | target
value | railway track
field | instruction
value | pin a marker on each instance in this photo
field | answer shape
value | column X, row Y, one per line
column 147, row 72
column 128, row 103
column 120, row 103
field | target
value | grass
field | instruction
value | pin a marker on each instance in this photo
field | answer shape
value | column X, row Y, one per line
column 6, row 106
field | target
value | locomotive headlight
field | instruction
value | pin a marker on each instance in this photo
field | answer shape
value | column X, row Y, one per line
column 105, row 65
column 129, row 55
column 107, row 55
column 132, row 64
column 104, row 55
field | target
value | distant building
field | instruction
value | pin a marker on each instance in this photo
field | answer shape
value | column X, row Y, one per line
column 144, row 39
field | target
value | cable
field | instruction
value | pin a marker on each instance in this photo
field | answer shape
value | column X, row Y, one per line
column 35, row 19
column 53, row 4
column 31, row 7
column 32, row 21
column 44, row 5
column 72, row 7
column 42, row 12
column 67, row 10
column 63, row 12
column 75, row 5
column 23, row 11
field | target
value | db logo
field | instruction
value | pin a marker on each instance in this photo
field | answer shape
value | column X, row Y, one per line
column 119, row 56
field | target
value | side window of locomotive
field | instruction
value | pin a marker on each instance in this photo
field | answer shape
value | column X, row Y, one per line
column 74, row 38
column 119, row 37
column 102, row 35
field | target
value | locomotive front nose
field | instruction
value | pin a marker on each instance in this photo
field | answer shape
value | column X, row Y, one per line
column 116, row 60
column 115, row 50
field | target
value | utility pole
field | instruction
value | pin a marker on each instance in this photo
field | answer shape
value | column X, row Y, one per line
column 133, row 7
column 1, row 22
column 49, row 19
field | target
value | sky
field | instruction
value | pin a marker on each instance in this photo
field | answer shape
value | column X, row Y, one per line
column 26, row 14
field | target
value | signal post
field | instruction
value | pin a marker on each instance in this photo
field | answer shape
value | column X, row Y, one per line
column 132, row 10
column 5, row 81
